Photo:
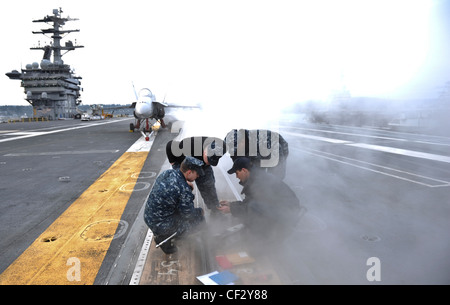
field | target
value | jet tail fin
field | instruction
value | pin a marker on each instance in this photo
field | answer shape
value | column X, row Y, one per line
column 134, row 89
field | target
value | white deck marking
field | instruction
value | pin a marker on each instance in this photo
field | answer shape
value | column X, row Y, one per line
column 432, row 181
column 330, row 140
column 29, row 134
column 233, row 189
column 388, row 149
column 142, row 144
column 137, row 273
column 57, row 153
column 403, row 152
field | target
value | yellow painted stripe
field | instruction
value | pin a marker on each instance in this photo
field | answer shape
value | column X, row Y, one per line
column 72, row 249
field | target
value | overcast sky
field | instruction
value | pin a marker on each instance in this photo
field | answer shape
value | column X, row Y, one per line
column 238, row 52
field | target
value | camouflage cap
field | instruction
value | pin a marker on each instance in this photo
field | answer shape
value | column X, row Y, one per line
column 194, row 164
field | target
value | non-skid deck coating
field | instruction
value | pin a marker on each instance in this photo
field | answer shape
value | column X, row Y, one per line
column 361, row 203
column 72, row 249
column 81, row 236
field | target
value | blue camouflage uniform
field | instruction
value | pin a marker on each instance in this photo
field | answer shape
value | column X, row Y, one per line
column 194, row 146
column 170, row 205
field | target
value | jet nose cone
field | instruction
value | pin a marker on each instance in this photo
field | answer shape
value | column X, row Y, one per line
column 143, row 110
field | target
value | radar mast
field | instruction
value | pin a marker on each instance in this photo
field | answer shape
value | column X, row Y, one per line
column 52, row 89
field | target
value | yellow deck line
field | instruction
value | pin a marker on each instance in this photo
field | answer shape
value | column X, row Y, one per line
column 77, row 241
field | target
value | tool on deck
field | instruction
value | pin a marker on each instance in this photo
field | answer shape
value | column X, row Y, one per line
column 167, row 239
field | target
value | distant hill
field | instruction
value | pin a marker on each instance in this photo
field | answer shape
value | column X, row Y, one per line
column 14, row 111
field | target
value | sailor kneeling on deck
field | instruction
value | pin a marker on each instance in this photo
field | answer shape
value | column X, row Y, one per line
column 170, row 209
column 270, row 210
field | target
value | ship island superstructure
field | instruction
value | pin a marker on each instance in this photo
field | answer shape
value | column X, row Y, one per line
column 51, row 87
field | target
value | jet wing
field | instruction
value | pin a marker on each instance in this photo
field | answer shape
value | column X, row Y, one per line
column 132, row 105
column 198, row 106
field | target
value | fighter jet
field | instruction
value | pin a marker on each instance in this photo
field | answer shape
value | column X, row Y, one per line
column 147, row 108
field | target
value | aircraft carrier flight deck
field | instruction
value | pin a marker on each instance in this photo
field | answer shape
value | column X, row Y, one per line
column 72, row 194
